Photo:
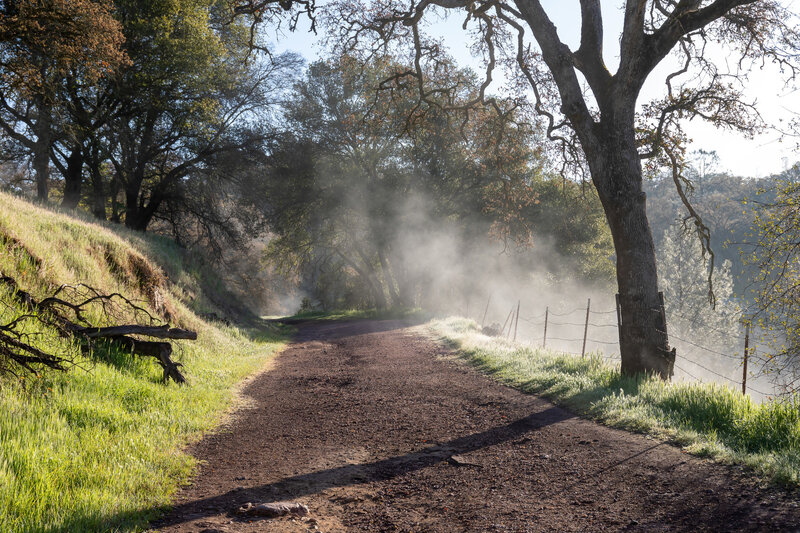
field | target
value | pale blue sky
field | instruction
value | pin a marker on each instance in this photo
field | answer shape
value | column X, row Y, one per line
column 758, row 157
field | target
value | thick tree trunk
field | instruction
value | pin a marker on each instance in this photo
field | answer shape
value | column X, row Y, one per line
column 115, row 214
column 98, row 185
column 616, row 171
column 138, row 212
column 73, row 179
column 376, row 288
column 132, row 206
column 390, row 281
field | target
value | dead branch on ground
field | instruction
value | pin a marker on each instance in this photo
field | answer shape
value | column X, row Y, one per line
column 66, row 311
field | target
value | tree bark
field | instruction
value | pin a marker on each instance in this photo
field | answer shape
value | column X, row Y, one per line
column 73, row 178
column 617, row 174
column 115, row 186
column 390, row 281
column 138, row 212
column 131, row 205
column 98, row 184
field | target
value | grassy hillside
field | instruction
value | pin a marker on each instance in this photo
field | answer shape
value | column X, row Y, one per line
column 705, row 419
column 98, row 448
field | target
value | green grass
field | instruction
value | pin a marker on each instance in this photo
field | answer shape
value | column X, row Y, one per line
column 100, row 447
column 704, row 419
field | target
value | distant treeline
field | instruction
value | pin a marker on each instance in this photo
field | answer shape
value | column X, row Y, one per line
column 728, row 205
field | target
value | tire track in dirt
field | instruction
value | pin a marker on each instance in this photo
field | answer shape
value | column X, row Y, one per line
column 360, row 421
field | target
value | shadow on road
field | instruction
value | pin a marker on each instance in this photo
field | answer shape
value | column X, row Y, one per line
column 314, row 482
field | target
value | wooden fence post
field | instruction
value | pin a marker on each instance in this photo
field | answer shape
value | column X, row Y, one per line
column 544, row 338
column 486, row 311
column 506, row 322
column 746, row 354
column 516, row 322
column 586, row 327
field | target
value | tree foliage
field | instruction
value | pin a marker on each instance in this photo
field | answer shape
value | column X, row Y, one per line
column 364, row 172
column 593, row 115
column 157, row 114
column 378, row 200
column 44, row 41
column 775, row 256
column 42, row 44
column 684, row 266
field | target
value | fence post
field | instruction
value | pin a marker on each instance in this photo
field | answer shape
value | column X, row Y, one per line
column 586, row 327
column 506, row 322
column 544, row 338
column 508, row 335
column 486, row 310
column 516, row 322
column 746, row 354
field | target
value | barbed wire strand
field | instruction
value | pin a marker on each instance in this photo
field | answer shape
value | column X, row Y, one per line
column 729, row 356
column 553, row 313
column 694, row 322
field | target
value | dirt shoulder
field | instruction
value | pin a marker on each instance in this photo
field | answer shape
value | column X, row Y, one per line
column 374, row 428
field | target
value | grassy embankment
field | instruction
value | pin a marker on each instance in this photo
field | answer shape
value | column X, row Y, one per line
column 99, row 447
column 704, row 419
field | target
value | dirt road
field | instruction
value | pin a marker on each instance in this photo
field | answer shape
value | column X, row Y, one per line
column 375, row 428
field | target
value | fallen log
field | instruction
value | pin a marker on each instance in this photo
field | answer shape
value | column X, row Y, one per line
column 47, row 311
column 160, row 350
column 160, row 332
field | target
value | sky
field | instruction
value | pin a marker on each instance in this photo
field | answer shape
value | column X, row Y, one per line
column 764, row 155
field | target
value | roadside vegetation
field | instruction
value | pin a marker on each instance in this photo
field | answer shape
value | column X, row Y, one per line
column 708, row 420
column 101, row 446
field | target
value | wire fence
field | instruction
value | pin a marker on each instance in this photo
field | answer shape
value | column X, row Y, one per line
column 559, row 322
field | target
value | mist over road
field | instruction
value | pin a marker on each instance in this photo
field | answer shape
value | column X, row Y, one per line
column 375, row 427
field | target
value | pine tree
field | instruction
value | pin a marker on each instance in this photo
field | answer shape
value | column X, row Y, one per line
column 684, row 279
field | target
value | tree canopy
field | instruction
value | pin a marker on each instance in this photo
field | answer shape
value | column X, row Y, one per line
column 600, row 126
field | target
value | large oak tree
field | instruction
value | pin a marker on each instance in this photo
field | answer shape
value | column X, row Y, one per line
column 43, row 43
column 594, row 114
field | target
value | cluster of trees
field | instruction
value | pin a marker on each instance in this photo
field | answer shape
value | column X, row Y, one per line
column 143, row 111
column 158, row 111
column 773, row 256
column 379, row 199
column 162, row 116
column 593, row 112
column 754, row 227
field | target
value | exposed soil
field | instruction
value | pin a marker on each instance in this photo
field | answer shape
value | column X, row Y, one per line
column 376, row 428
